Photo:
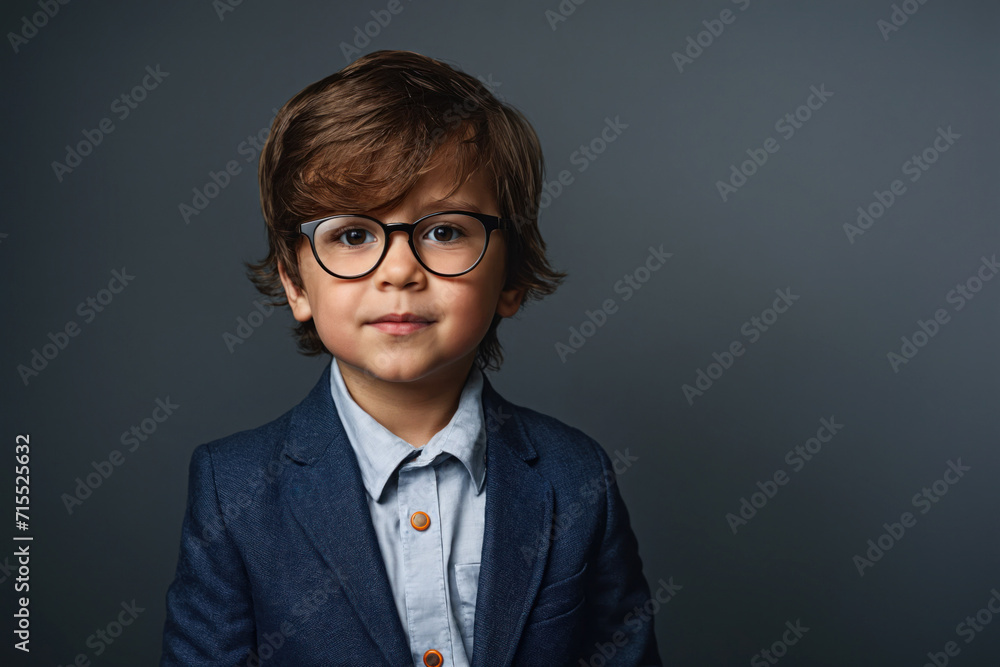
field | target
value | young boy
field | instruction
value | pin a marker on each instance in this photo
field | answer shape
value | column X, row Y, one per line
column 404, row 513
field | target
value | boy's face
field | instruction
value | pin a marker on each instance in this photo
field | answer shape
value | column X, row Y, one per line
column 459, row 309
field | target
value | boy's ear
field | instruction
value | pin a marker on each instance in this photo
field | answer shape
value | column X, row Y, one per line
column 297, row 298
column 510, row 301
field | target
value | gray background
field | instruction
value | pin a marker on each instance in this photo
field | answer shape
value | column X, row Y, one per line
column 162, row 336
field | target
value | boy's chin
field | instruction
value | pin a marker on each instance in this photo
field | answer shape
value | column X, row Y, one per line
column 391, row 369
column 405, row 369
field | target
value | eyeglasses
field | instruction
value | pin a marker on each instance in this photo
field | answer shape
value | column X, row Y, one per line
column 446, row 243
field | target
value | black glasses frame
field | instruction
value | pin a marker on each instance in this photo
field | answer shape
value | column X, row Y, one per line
column 490, row 223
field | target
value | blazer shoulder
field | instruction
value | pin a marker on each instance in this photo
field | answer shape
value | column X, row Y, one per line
column 560, row 444
column 238, row 453
column 246, row 454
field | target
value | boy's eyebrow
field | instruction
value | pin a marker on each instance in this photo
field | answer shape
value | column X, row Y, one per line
column 452, row 202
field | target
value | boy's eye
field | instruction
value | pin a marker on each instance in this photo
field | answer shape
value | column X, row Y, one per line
column 351, row 236
column 355, row 236
column 444, row 234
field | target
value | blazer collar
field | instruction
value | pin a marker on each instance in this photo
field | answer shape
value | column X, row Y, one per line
column 519, row 502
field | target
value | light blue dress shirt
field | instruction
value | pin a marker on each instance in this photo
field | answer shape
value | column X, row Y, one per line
column 433, row 573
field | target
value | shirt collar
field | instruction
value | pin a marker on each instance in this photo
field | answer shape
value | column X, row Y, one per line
column 380, row 452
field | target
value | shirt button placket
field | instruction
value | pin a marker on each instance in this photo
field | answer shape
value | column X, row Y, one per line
column 423, row 566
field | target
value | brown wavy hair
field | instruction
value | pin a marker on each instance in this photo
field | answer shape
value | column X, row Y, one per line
column 359, row 140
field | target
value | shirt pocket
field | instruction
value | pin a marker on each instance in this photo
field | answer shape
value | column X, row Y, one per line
column 467, row 581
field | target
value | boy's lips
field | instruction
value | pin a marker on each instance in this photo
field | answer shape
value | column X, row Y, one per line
column 402, row 317
column 401, row 323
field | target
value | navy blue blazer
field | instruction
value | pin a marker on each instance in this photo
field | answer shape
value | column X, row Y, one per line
column 279, row 563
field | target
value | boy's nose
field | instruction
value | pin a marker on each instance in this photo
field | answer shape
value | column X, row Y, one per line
column 399, row 253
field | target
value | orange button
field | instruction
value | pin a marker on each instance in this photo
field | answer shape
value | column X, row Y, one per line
column 421, row 521
column 432, row 658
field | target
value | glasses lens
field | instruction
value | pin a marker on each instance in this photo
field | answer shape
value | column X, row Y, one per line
column 450, row 243
column 347, row 245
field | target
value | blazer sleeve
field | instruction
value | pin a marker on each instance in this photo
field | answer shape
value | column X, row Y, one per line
column 209, row 607
column 615, row 631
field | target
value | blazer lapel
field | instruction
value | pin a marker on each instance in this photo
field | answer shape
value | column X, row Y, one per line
column 516, row 536
column 327, row 497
